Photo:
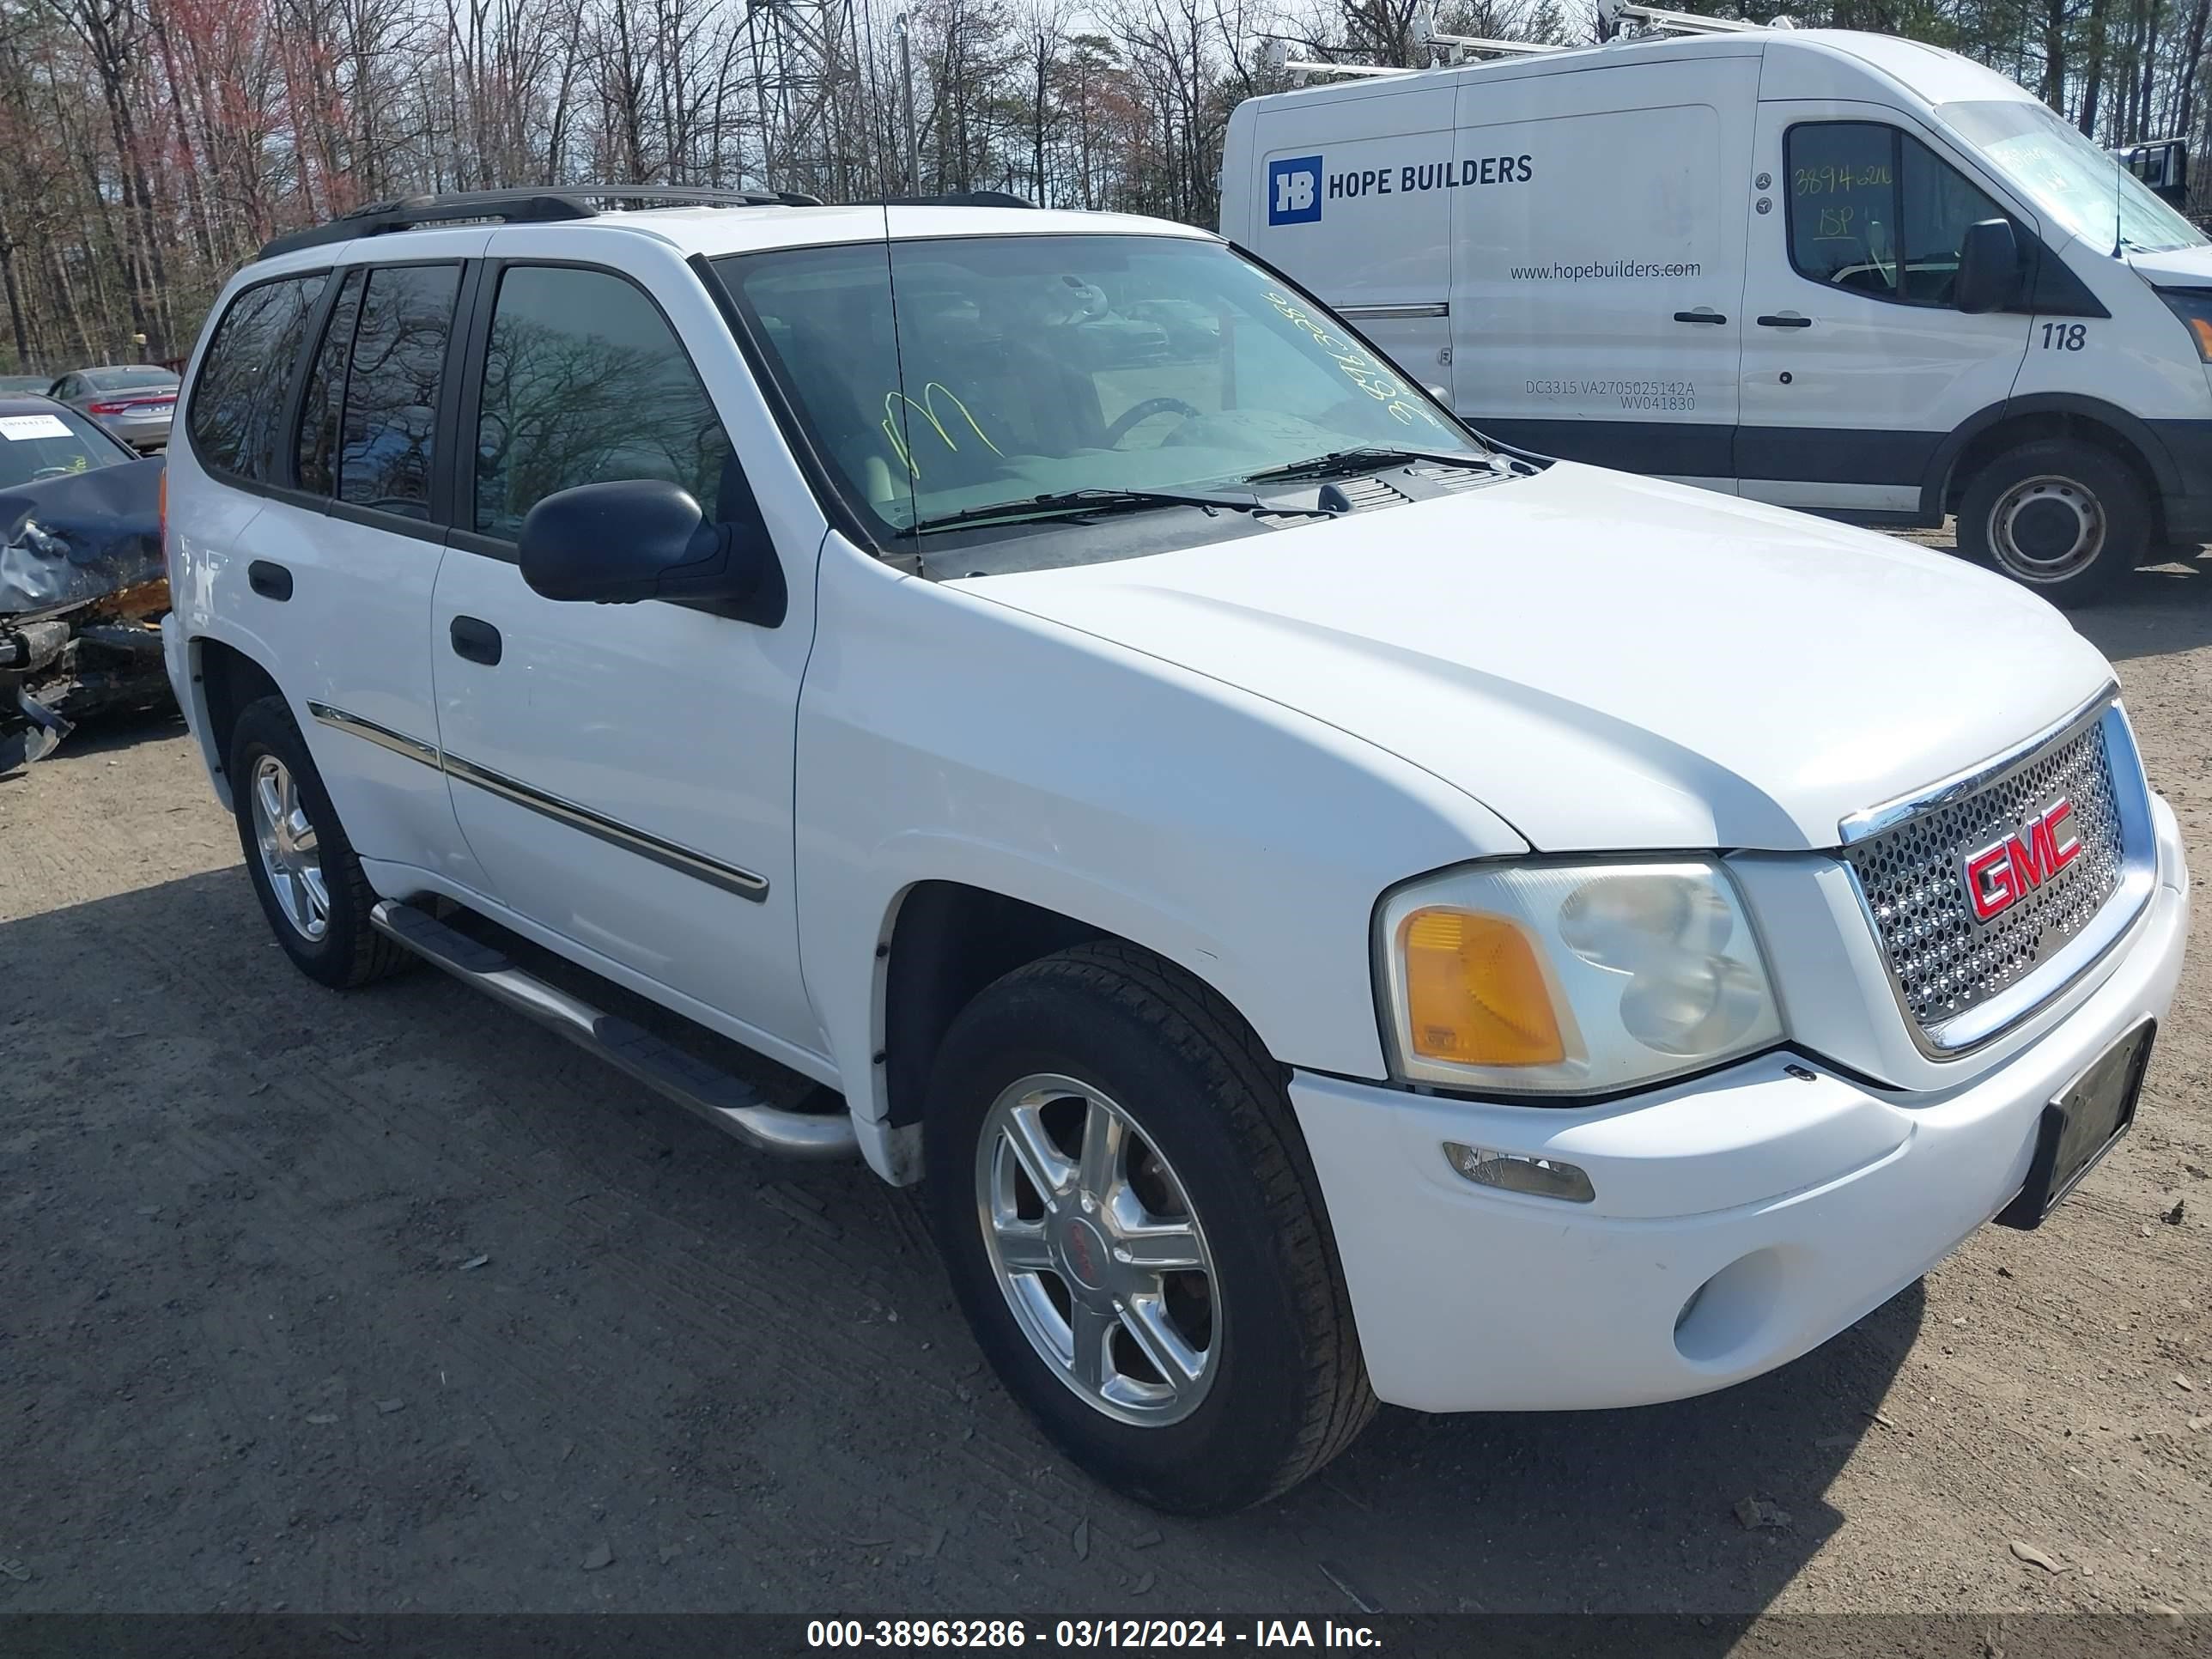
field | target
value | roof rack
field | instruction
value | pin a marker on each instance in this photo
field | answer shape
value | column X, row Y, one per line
column 550, row 204
column 1634, row 21
column 1432, row 43
column 994, row 199
column 1623, row 20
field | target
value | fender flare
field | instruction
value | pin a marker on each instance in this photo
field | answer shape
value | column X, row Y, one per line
column 2132, row 429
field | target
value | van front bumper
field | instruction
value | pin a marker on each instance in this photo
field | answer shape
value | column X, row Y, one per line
column 1791, row 1206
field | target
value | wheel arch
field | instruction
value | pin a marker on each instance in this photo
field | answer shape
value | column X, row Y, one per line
column 944, row 941
column 1981, row 439
column 224, row 680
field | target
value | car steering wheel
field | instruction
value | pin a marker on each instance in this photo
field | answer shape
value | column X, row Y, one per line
column 1137, row 414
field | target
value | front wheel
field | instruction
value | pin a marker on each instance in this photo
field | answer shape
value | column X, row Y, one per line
column 2064, row 518
column 1131, row 1224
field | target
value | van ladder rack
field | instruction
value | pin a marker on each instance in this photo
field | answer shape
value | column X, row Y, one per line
column 550, row 204
column 1446, row 50
column 1634, row 21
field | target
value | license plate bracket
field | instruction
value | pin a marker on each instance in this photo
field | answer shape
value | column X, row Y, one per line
column 2077, row 1129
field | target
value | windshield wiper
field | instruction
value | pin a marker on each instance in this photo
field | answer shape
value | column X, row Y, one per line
column 1077, row 503
column 1368, row 455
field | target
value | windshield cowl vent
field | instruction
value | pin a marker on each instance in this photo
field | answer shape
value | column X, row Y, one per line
column 1455, row 479
column 1356, row 495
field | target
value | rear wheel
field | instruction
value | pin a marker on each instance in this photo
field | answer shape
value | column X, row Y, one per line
column 2062, row 516
column 1130, row 1221
column 303, row 868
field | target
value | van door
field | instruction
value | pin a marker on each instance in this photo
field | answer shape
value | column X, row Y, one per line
column 1349, row 202
column 622, row 771
column 1598, row 261
column 1856, row 364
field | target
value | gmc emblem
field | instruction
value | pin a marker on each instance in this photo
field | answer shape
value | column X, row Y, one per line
column 2006, row 871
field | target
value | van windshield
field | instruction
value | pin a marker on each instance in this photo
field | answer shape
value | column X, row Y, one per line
column 939, row 376
column 2068, row 177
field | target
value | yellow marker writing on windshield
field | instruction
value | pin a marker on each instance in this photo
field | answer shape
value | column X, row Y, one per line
column 926, row 408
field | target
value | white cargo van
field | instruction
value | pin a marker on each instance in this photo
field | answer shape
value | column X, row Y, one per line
column 1833, row 270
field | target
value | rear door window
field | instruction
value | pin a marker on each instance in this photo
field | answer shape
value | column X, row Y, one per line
column 324, row 403
column 239, row 398
column 389, row 428
column 585, row 382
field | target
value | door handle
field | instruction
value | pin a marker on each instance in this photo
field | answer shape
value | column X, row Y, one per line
column 1787, row 319
column 1700, row 317
column 270, row 581
column 476, row 640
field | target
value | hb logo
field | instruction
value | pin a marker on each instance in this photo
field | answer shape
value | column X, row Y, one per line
column 1294, row 191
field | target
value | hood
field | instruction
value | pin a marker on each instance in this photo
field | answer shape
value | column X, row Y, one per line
column 2176, row 267
column 66, row 540
column 1608, row 662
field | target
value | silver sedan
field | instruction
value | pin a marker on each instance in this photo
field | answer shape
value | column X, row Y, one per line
column 134, row 401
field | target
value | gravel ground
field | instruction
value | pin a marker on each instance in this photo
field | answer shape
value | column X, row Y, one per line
column 391, row 1302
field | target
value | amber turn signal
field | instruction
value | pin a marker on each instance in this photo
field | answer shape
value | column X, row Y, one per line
column 1475, row 992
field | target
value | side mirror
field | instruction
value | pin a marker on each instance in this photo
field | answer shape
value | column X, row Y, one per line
column 1988, row 268
column 641, row 538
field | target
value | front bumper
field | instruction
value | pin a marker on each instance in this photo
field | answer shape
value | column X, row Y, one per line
column 1798, row 1205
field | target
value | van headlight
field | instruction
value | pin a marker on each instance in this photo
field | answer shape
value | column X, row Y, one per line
column 2194, row 306
column 1571, row 978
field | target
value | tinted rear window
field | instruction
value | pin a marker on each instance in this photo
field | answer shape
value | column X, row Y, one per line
column 320, row 408
column 390, row 404
column 239, row 398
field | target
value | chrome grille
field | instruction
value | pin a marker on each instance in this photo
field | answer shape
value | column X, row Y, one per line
column 1945, row 962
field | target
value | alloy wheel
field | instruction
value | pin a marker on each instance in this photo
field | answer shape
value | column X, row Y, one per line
column 291, row 856
column 1094, row 1242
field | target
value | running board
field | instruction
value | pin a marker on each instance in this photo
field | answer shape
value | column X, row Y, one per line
column 730, row 1104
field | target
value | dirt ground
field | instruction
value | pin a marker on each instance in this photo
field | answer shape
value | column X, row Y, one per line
column 391, row 1302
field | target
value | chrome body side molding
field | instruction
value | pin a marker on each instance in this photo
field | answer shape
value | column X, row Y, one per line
column 730, row 877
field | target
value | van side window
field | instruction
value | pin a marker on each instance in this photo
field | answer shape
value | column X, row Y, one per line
column 390, row 402
column 239, row 398
column 584, row 383
column 1937, row 206
column 1875, row 212
column 325, row 395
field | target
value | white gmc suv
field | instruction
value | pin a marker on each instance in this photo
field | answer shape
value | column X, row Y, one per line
column 1330, row 909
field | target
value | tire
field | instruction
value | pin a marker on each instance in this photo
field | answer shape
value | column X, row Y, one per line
column 1212, row 1171
column 311, row 886
column 2064, row 518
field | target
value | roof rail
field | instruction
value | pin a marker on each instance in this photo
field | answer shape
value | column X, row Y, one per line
column 547, row 205
column 995, row 198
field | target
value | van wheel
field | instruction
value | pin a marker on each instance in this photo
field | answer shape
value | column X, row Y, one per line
column 1132, row 1225
column 2064, row 518
column 303, row 869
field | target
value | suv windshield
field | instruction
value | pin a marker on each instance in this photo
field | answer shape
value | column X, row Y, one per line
column 935, row 377
column 2087, row 191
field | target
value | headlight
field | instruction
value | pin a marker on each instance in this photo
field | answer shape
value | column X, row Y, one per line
column 2194, row 306
column 1571, row 978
